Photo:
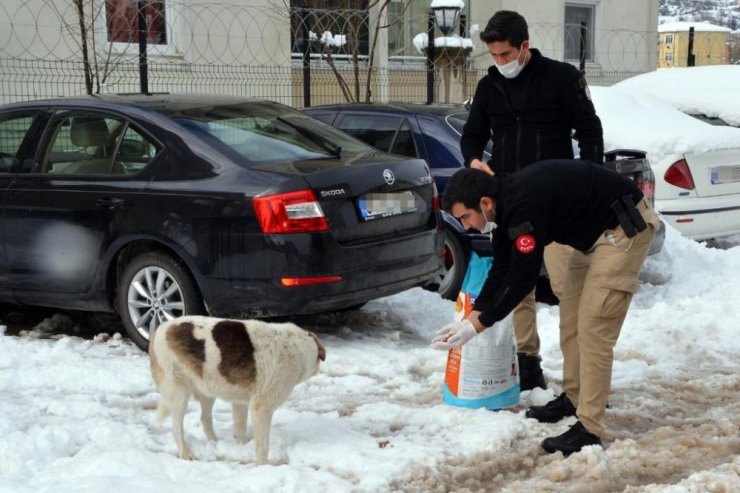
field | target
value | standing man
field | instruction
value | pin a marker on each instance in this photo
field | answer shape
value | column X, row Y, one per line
column 529, row 104
column 605, row 218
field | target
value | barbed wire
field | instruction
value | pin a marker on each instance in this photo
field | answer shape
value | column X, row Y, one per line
column 78, row 46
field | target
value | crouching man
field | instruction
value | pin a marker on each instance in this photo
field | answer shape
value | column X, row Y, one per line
column 609, row 223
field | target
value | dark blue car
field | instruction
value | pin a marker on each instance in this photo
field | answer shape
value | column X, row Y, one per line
column 432, row 132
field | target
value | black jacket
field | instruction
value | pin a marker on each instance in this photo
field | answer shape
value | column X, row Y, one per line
column 566, row 201
column 530, row 117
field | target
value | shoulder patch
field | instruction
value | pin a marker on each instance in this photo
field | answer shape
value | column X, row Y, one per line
column 525, row 244
column 583, row 87
column 519, row 230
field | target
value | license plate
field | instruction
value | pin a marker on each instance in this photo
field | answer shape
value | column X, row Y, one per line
column 724, row 174
column 380, row 205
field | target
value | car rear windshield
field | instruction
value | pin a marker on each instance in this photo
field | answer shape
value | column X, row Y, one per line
column 266, row 133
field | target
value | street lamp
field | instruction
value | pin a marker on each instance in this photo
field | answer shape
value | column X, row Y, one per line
column 446, row 13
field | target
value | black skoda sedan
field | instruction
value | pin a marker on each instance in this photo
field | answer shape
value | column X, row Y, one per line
column 162, row 205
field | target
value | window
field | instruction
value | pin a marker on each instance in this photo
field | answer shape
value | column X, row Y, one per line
column 669, row 39
column 134, row 153
column 579, row 32
column 669, row 57
column 387, row 133
column 404, row 143
column 122, row 26
column 12, row 132
column 90, row 143
column 346, row 20
column 122, row 21
column 262, row 135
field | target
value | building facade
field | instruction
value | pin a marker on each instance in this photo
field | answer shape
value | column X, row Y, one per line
column 615, row 38
column 684, row 44
column 329, row 50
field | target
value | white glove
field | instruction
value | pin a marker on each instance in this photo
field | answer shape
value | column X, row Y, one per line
column 454, row 335
column 445, row 332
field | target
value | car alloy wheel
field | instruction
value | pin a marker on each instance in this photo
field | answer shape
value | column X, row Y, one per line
column 153, row 289
column 154, row 296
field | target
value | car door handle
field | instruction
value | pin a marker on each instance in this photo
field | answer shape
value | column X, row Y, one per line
column 110, row 202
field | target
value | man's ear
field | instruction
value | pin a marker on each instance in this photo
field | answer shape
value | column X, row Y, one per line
column 488, row 202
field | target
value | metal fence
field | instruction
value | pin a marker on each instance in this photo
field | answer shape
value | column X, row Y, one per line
column 51, row 48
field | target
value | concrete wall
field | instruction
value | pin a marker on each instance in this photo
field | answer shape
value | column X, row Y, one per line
column 41, row 49
column 624, row 39
column 244, row 47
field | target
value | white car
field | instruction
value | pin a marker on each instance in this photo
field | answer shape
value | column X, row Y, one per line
column 696, row 164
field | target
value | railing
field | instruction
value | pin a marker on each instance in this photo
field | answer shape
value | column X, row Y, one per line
column 52, row 48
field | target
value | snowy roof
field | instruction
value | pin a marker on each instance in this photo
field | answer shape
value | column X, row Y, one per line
column 672, row 27
column 448, row 3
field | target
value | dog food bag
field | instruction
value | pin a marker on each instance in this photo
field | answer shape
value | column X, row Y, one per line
column 485, row 371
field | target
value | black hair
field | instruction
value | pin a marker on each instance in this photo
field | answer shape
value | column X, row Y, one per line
column 506, row 25
column 467, row 186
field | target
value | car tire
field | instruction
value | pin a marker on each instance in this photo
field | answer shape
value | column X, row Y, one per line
column 154, row 288
column 448, row 284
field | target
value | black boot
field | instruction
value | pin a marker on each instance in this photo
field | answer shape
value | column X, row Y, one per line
column 530, row 372
column 571, row 441
column 553, row 411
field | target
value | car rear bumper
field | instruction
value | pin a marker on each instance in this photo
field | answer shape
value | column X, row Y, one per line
column 702, row 218
column 367, row 272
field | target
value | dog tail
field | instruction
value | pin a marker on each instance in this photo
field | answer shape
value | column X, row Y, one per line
column 162, row 411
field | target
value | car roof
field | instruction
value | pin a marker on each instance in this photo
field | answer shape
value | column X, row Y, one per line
column 439, row 109
column 167, row 103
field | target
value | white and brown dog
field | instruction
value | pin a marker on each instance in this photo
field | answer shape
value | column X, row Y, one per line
column 250, row 363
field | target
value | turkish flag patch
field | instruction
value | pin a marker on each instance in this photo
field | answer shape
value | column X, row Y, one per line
column 525, row 243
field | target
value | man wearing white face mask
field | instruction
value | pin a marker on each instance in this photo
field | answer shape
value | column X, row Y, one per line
column 528, row 105
column 490, row 225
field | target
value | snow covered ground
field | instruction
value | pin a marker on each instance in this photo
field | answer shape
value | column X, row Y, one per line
column 77, row 405
column 78, row 414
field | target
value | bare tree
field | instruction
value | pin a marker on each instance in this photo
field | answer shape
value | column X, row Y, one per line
column 88, row 14
column 353, row 23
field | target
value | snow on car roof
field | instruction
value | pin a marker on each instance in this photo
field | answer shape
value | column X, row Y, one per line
column 712, row 90
column 634, row 118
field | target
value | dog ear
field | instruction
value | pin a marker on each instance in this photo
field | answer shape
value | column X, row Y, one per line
column 322, row 351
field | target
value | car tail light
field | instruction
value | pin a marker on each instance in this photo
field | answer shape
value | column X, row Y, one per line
column 678, row 174
column 307, row 281
column 291, row 212
column 435, row 198
column 647, row 185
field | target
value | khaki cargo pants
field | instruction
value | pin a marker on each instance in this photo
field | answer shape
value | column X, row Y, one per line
column 557, row 257
column 597, row 291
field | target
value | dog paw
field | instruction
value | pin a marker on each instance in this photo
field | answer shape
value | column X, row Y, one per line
column 186, row 455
